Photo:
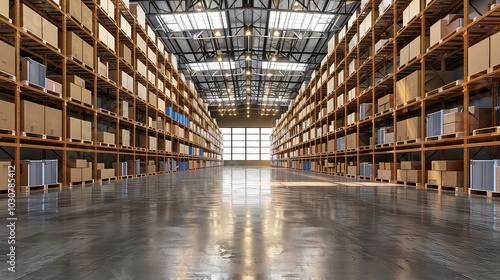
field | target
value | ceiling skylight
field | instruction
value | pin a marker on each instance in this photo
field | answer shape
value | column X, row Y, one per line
column 299, row 21
column 284, row 66
column 212, row 66
column 194, row 21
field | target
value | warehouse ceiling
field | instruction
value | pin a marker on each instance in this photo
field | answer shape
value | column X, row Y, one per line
column 247, row 56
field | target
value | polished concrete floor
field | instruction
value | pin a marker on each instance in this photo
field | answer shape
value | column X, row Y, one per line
column 252, row 223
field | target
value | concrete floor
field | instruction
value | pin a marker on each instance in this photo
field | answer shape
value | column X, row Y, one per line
column 253, row 223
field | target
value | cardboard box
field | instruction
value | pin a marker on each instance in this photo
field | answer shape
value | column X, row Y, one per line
column 453, row 117
column 125, row 138
column 74, row 9
column 411, row 165
column 88, row 54
column 33, row 120
column 86, row 173
column 447, row 165
column 497, row 182
column 442, row 28
column 105, row 173
column 452, row 178
column 50, row 33
column 434, row 177
column 413, row 176
column 7, row 116
column 451, row 128
column 74, row 175
column 86, row 96
column 7, row 58
column 100, row 165
column 74, row 91
column 4, row 10
column 105, row 137
column 413, row 128
column 53, row 86
column 479, row 57
column 77, row 163
column 351, row 170
column 74, row 46
column 31, row 20
column 4, row 173
column 384, row 174
column 153, row 99
column 401, row 130
column 102, row 67
column 86, row 15
column 53, row 122
column 125, row 53
column 401, row 175
column 86, row 130
column 494, row 50
column 74, row 128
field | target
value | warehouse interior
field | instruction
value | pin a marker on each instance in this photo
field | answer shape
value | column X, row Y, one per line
column 250, row 139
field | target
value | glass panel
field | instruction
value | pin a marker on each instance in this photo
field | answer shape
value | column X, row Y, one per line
column 253, row 150
column 253, row 137
column 227, row 144
column 265, row 157
column 238, row 131
column 238, row 137
column 265, row 143
column 252, row 156
column 253, row 130
column 253, row 144
column 266, row 130
column 226, row 130
column 226, row 137
column 227, row 156
column 238, row 150
column 238, row 156
column 238, row 143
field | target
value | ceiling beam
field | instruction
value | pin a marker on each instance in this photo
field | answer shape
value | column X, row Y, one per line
column 228, row 9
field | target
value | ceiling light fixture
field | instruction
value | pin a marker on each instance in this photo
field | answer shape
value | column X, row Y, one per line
column 274, row 57
column 276, row 33
column 249, row 72
column 228, row 74
column 248, row 32
column 269, row 74
column 248, row 56
column 217, row 33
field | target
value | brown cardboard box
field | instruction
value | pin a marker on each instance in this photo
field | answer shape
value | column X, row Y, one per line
column 453, row 117
column 384, row 174
column 404, row 53
column 105, row 137
column 7, row 116
column 102, row 67
column 447, row 165
column 86, row 173
column 153, row 99
column 434, row 177
column 86, row 16
column 125, row 137
column 125, row 53
column 76, row 80
column 53, row 86
column 86, row 96
column 408, row 165
column 74, row 45
column 4, row 174
column 86, row 130
column 88, row 54
column 4, row 8
column 450, row 128
column 452, row 178
column 331, row 146
column 74, row 175
column 7, row 58
column 479, row 57
column 77, row 163
column 100, row 165
column 74, row 91
column 31, row 20
column 442, row 28
column 105, row 173
column 351, row 170
column 33, row 120
column 401, row 130
column 401, row 175
column 413, row 176
column 53, row 122
column 50, row 33
column 413, row 128
column 494, row 50
column 74, row 9
column 74, row 128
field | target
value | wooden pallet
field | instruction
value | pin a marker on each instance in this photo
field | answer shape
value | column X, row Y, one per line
column 478, row 74
column 126, row 177
column 351, row 176
column 100, row 181
column 30, row 84
column 487, row 130
column 29, row 134
column 41, row 187
column 74, row 140
column 140, row 124
column 104, row 111
column 7, row 75
column 140, row 175
column 7, row 131
column 383, row 145
column 384, row 180
column 127, row 147
column 365, row 177
column 57, row 138
column 445, row 87
column 442, row 188
column 140, row 149
column 442, row 40
column 106, row 145
column 365, row 148
column 383, row 112
column 152, row 174
column 409, row 184
column 82, row 183
column 408, row 102
column 406, row 142
column 127, row 119
column 484, row 193
column 78, row 61
column 81, row 103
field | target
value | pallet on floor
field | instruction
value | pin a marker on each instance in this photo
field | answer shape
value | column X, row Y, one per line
column 384, row 180
column 125, row 177
column 484, row 193
column 140, row 175
column 82, row 183
column 100, row 181
column 365, row 177
column 486, row 130
column 442, row 188
column 41, row 187
column 351, row 176
column 409, row 184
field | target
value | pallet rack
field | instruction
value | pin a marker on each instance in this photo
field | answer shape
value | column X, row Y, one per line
column 181, row 95
column 290, row 149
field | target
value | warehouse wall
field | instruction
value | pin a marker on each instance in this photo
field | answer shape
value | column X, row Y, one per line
column 243, row 121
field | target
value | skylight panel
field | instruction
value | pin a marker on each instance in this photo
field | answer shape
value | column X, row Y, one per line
column 299, row 21
column 194, row 21
column 284, row 66
column 212, row 66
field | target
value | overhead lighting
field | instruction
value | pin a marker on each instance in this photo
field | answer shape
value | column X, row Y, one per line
column 274, row 57
column 276, row 33
column 199, row 6
column 217, row 33
column 193, row 21
column 227, row 75
column 284, row 66
column 249, row 72
column 248, row 32
column 219, row 57
column 248, row 56
column 300, row 21
column 212, row 66
column 269, row 74
column 296, row 3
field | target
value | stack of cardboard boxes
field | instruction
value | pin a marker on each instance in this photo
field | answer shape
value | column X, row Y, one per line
column 80, row 50
column 408, row 129
column 80, row 12
column 484, row 54
column 385, row 103
column 351, row 169
column 412, row 50
column 445, row 26
column 106, row 137
column 36, row 118
column 447, row 173
column 409, row 87
column 410, row 172
column 106, row 37
column 365, row 110
column 79, row 129
column 7, row 57
column 453, row 120
column 105, row 173
column 151, row 167
column 38, row 25
column 7, row 116
column 79, row 170
column 384, row 171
